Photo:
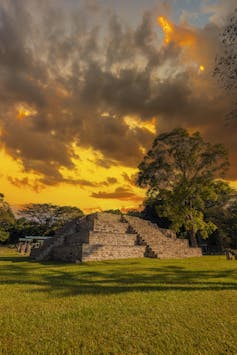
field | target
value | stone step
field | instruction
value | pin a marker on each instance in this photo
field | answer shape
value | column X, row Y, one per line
column 108, row 217
column 105, row 227
column 161, row 243
column 109, row 252
column 112, row 239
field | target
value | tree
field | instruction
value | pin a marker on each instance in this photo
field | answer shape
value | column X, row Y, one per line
column 219, row 212
column 151, row 206
column 7, row 219
column 179, row 171
column 231, row 223
column 40, row 213
column 226, row 64
column 23, row 227
column 64, row 214
column 4, row 235
column 49, row 217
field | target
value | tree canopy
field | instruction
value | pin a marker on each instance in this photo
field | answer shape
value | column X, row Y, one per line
column 180, row 171
column 7, row 219
column 48, row 216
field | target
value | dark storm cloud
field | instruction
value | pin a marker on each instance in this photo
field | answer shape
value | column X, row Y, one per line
column 120, row 193
column 79, row 75
column 113, row 138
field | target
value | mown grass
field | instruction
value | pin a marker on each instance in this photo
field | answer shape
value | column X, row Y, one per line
column 140, row 306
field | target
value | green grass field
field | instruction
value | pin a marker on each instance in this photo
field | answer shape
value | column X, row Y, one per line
column 139, row 306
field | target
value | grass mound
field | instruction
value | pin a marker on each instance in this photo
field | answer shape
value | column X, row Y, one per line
column 140, row 306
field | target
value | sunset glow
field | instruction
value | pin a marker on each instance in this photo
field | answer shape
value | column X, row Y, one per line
column 82, row 97
column 180, row 35
column 23, row 112
column 167, row 28
column 134, row 123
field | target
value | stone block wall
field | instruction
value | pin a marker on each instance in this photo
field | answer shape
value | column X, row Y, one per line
column 67, row 253
column 98, row 252
column 110, row 238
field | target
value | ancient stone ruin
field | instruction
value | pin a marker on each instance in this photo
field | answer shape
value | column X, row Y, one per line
column 106, row 236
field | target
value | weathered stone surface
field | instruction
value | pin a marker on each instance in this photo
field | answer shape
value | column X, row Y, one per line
column 106, row 236
column 160, row 242
column 67, row 253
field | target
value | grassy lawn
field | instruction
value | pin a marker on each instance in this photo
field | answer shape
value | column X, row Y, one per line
column 139, row 306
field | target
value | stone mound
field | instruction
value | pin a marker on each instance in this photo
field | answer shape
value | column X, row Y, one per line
column 107, row 236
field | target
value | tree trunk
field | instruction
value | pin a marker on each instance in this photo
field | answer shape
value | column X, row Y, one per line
column 193, row 239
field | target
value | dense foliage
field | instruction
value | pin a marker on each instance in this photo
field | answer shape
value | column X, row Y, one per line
column 47, row 217
column 7, row 219
column 180, row 172
column 34, row 219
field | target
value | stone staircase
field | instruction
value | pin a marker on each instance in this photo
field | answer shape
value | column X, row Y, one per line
column 110, row 240
column 106, row 236
column 161, row 243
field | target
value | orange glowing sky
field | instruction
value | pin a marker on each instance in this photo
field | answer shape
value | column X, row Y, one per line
column 20, row 193
column 22, row 188
column 82, row 100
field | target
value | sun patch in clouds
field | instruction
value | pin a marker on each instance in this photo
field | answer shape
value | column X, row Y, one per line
column 178, row 34
column 167, row 28
column 134, row 122
column 185, row 37
column 23, row 111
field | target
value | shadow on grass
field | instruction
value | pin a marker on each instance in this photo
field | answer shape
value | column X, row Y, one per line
column 110, row 278
column 15, row 259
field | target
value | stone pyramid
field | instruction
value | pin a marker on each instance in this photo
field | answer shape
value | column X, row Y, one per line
column 107, row 236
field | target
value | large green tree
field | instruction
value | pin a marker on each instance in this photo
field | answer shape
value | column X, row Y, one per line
column 180, row 172
column 7, row 219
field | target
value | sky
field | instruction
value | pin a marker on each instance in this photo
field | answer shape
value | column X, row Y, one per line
column 86, row 86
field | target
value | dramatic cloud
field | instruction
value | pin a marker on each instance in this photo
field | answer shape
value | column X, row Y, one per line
column 120, row 193
column 72, row 78
column 40, row 184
